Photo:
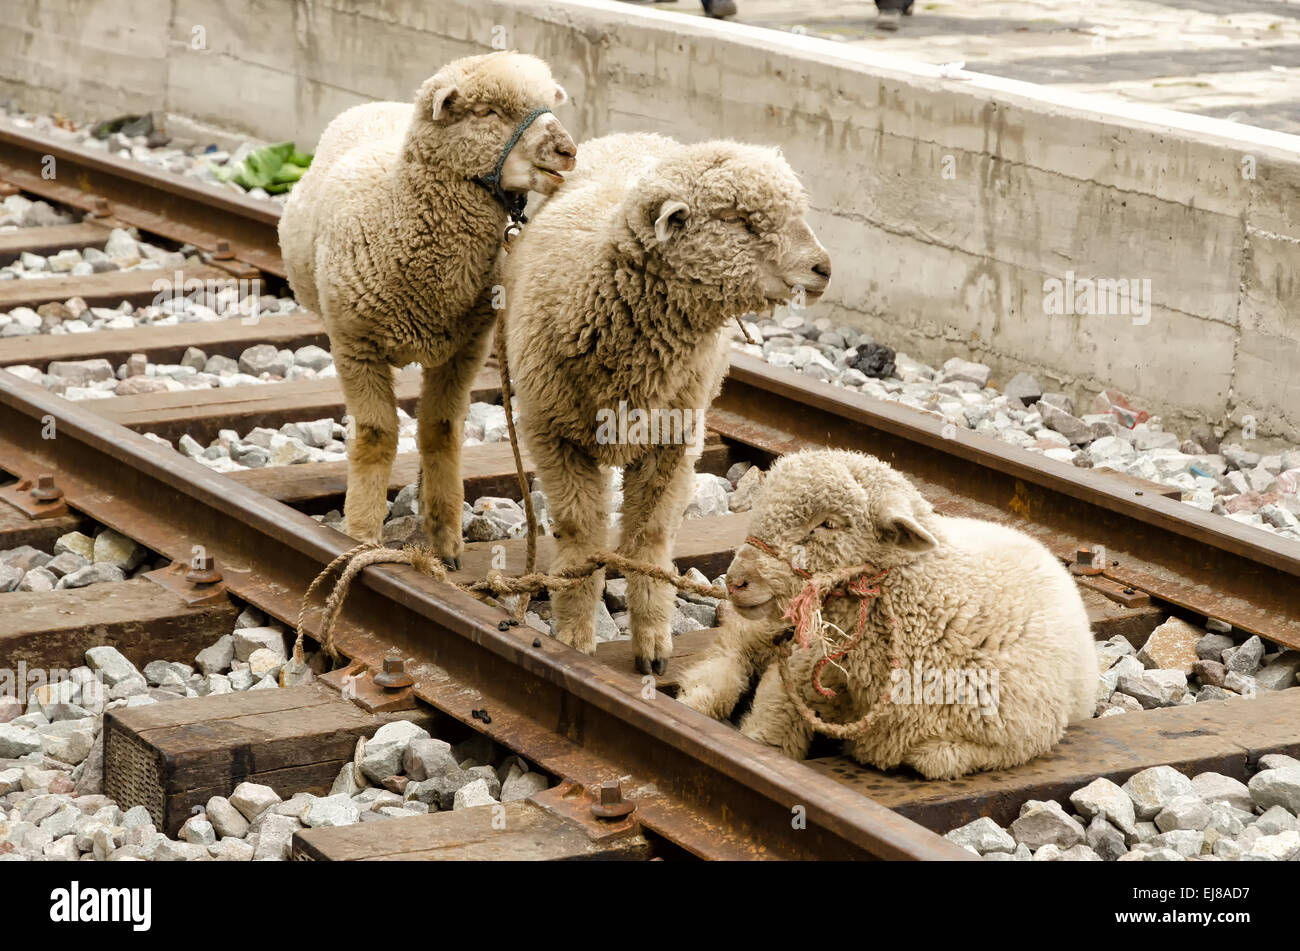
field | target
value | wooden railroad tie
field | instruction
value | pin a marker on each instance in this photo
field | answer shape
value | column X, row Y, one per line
column 171, row 757
column 1223, row 736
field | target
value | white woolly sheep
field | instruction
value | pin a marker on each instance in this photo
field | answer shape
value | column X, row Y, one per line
column 392, row 237
column 617, row 295
column 988, row 656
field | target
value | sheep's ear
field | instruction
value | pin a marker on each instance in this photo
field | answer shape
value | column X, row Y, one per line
column 672, row 214
column 442, row 100
column 561, row 97
column 899, row 526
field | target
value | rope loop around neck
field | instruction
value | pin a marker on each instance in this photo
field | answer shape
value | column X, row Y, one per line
column 804, row 612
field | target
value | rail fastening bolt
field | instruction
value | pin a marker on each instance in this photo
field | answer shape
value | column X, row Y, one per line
column 611, row 805
column 45, row 490
column 222, row 251
column 1086, row 562
column 204, row 571
column 394, row 676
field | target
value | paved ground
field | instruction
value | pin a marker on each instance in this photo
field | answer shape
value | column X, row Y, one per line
column 1236, row 59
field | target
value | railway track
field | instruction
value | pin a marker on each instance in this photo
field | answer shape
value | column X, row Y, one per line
column 700, row 789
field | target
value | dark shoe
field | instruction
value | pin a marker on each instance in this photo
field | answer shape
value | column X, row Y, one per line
column 718, row 9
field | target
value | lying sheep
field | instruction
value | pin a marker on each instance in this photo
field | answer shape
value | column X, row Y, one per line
column 617, row 295
column 989, row 634
column 392, row 237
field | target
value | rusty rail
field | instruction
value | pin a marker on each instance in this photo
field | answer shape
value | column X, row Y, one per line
column 1204, row 563
column 125, row 191
column 718, row 795
column 794, row 411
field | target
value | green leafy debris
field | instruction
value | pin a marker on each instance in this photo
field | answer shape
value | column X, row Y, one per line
column 274, row 168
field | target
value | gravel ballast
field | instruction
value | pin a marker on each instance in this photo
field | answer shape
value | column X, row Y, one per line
column 195, row 160
column 1159, row 814
column 99, row 379
column 1254, row 488
column 52, row 805
column 75, row 561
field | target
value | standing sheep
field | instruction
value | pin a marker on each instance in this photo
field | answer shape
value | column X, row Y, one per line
column 975, row 654
column 617, row 295
column 392, row 237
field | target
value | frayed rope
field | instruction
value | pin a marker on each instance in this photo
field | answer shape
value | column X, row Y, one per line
column 804, row 612
column 495, row 585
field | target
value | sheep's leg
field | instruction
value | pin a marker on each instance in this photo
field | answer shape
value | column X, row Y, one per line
column 656, row 490
column 371, row 401
column 444, row 401
column 773, row 719
column 939, row 758
column 713, row 684
column 577, row 493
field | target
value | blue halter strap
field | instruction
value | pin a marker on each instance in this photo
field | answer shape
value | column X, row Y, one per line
column 513, row 204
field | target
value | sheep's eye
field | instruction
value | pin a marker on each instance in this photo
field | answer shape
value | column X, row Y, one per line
column 483, row 111
column 830, row 524
column 736, row 216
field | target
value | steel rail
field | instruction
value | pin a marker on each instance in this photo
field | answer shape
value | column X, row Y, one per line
column 225, row 213
column 568, row 713
column 151, row 199
column 1203, row 562
column 719, row 795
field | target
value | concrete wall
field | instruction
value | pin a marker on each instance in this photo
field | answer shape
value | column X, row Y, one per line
column 946, row 202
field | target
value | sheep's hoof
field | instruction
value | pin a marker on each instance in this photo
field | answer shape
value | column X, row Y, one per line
column 658, row 666
column 452, row 562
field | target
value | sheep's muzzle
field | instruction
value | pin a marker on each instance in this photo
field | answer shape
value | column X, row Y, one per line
column 804, row 611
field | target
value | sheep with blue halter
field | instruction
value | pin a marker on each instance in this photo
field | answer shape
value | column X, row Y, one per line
column 393, row 236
